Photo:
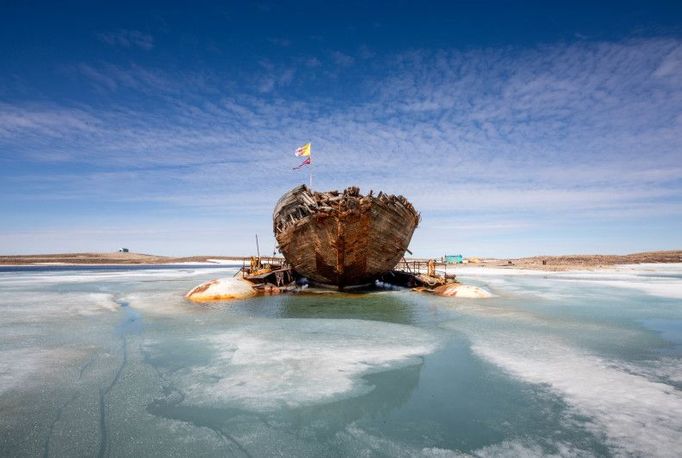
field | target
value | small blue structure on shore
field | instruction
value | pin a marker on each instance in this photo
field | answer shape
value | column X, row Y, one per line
column 453, row 259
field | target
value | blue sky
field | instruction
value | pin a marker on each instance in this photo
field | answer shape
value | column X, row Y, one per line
column 515, row 128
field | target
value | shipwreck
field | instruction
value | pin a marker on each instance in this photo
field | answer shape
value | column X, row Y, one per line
column 342, row 238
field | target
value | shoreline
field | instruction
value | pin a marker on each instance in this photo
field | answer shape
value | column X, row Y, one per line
column 551, row 263
column 124, row 264
column 114, row 259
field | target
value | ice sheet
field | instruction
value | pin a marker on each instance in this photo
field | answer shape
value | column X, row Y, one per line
column 664, row 280
column 638, row 415
column 271, row 374
column 292, row 362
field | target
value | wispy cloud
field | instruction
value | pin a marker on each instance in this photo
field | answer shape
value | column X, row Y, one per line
column 581, row 133
column 312, row 62
column 342, row 59
column 274, row 76
column 281, row 42
column 128, row 39
column 30, row 122
column 112, row 77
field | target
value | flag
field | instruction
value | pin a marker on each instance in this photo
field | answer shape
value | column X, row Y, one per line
column 303, row 150
column 306, row 162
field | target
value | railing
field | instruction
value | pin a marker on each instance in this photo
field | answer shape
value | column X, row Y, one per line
column 413, row 267
column 430, row 267
column 254, row 263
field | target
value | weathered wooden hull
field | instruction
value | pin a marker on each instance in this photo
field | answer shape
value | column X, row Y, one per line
column 343, row 239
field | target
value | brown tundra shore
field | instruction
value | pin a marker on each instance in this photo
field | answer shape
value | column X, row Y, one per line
column 564, row 262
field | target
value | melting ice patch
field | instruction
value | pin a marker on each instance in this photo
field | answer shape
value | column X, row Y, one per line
column 158, row 302
column 23, row 279
column 34, row 307
column 27, row 367
column 294, row 362
column 652, row 287
column 638, row 416
column 360, row 443
column 655, row 280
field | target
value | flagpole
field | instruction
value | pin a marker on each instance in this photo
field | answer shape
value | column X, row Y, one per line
column 304, row 151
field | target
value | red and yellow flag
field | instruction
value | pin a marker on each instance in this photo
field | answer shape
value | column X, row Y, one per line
column 303, row 150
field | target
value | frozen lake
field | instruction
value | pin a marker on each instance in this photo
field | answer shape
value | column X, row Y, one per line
column 114, row 362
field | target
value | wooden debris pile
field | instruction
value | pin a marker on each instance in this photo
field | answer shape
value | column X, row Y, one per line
column 303, row 202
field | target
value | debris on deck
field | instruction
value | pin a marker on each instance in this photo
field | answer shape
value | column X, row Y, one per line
column 272, row 276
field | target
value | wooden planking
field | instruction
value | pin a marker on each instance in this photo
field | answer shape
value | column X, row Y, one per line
column 343, row 238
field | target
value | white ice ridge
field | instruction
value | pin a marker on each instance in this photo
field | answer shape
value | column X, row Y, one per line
column 292, row 362
column 25, row 279
column 25, row 306
column 664, row 280
column 229, row 262
column 639, row 416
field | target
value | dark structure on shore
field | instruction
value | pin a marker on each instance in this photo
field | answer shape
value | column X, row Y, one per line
column 343, row 239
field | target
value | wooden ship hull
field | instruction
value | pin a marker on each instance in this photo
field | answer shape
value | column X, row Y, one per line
column 343, row 239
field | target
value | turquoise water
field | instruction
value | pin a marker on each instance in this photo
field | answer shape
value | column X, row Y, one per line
column 114, row 362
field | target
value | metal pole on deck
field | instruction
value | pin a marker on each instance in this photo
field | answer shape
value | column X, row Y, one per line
column 257, row 247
